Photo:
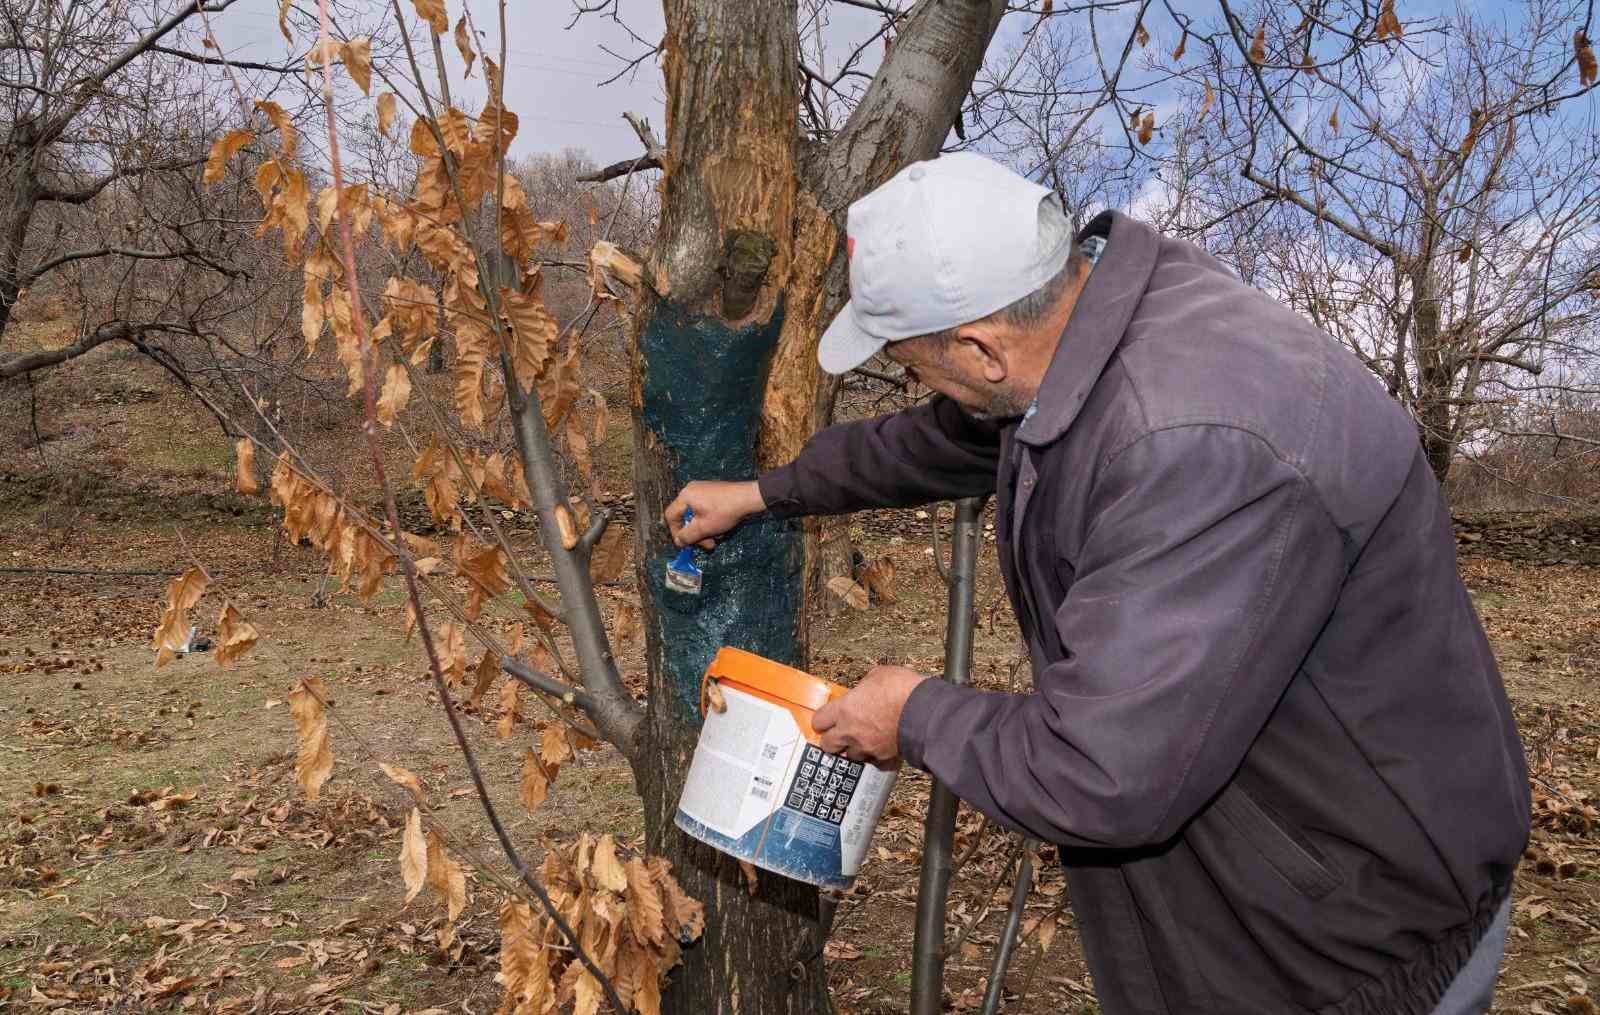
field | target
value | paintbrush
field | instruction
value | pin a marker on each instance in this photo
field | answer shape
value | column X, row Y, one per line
column 682, row 574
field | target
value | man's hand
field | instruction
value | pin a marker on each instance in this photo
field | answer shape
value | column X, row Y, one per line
column 718, row 507
column 863, row 724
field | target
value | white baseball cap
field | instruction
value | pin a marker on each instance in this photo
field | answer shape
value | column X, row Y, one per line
column 940, row 244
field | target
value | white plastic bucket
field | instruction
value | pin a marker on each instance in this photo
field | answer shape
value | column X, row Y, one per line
column 760, row 788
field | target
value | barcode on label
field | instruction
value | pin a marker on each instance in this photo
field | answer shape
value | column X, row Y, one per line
column 758, row 792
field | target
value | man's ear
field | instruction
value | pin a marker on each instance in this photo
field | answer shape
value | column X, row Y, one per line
column 985, row 351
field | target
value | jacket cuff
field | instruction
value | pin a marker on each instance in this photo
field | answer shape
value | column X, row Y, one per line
column 778, row 490
column 928, row 700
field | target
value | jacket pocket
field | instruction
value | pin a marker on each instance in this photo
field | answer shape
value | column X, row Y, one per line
column 1296, row 862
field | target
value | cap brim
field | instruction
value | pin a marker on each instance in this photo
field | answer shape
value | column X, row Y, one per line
column 845, row 345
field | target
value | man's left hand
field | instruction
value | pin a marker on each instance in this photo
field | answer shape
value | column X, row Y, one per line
column 863, row 724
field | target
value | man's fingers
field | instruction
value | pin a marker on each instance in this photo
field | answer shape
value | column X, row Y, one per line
column 826, row 718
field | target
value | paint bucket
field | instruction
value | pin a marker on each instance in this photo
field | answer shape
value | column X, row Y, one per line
column 759, row 787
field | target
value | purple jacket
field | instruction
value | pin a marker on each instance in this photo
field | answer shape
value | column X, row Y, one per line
column 1266, row 728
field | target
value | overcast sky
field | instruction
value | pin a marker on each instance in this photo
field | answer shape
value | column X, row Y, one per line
column 554, row 72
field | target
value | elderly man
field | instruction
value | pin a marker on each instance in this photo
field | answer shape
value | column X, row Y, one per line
column 1265, row 729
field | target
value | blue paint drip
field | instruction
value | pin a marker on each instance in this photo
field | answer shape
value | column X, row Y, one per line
column 702, row 392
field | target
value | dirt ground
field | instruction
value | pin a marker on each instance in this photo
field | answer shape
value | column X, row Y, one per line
column 155, row 852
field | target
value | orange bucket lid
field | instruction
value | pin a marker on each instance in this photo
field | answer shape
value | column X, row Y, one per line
column 772, row 678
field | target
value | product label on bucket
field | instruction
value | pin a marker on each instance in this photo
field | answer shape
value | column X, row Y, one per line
column 757, row 789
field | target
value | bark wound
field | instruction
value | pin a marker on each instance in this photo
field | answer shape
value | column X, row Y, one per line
column 744, row 269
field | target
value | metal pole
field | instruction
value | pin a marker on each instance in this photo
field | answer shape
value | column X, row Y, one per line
column 1008, row 937
column 927, row 948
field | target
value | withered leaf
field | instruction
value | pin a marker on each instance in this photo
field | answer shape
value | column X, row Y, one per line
column 403, row 777
column 586, row 994
column 534, row 786
column 686, row 912
column 555, row 749
column 433, row 12
column 446, row 877
column 464, row 44
column 387, row 108
column 715, row 702
column 488, row 669
column 1258, row 45
column 1588, row 73
column 878, row 577
column 413, row 856
column 626, row 623
column 646, row 915
column 610, row 556
column 748, row 869
column 510, row 709
column 288, row 136
column 849, row 591
column 1205, row 103
column 606, row 868
column 357, row 57
column 235, row 636
column 244, row 476
column 314, row 756
column 1183, row 43
column 396, row 392
column 1147, row 127
column 1141, row 34
column 222, row 151
column 1388, row 24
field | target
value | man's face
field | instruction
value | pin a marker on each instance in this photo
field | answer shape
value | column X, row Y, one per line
column 967, row 371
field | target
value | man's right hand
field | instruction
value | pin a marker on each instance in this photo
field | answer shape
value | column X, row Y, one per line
column 717, row 507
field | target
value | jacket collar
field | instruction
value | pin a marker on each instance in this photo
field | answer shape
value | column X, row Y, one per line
column 1095, row 329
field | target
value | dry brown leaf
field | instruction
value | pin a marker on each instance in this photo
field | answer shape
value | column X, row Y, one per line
column 396, row 392
column 1183, row 44
column 524, row 965
column 534, row 786
column 1588, row 73
column 488, row 668
column 235, row 636
column 387, row 108
column 610, row 556
column 646, row 914
column 452, row 648
column 446, row 877
column 222, row 151
column 578, row 448
column 1258, row 45
column 244, row 476
column 404, row 778
column 488, row 571
column 314, row 756
column 687, row 913
column 558, row 388
column 1205, row 103
column 357, row 57
column 413, row 856
column 626, row 623
column 1141, row 34
column 715, row 702
column 748, row 869
column 283, row 20
column 878, row 577
column 586, row 994
column 288, row 136
column 841, row 950
column 555, row 749
column 533, row 334
column 464, row 45
column 1333, row 120
column 510, row 709
column 172, row 634
column 849, row 591
column 606, row 868
column 1388, row 23
column 432, row 11
column 1147, row 127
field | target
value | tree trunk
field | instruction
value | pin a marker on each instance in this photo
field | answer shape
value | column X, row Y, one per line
column 1435, row 427
column 17, row 215
column 746, row 270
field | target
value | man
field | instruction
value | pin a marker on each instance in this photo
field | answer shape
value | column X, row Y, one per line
column 1266, row 729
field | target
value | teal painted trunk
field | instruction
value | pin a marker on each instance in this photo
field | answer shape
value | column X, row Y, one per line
column 701, row 397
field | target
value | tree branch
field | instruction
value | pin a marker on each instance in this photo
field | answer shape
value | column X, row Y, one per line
column 89, row 191
column 222, row 61
column 119, row 331
column 1349, row 229
column 622, row 168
